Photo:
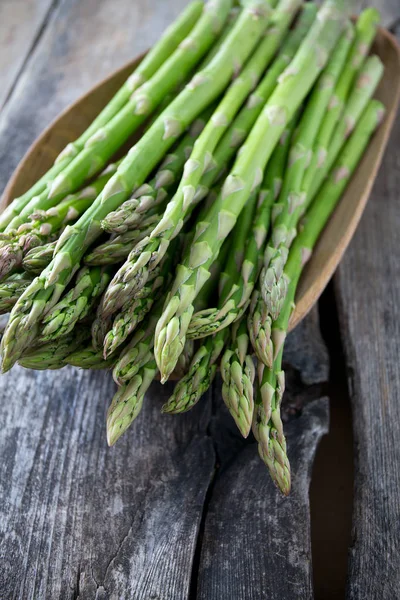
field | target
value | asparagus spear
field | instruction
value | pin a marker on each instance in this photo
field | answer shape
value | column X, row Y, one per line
column 247, row 172
column 273, row 283
column 128, row 401
column 292, row 198
column 110, row 133
column 89, row 358
column 242, row 281
column 117, row 248
column 172, row 37
column 53, row 354
column 44, row 225
column 268, row 426
column 148, row 253
column 242, row 124
column 156, row 191
column 197, row 381
column 363, row 90
column 200, row 92
column 365, row 32
column 238, row 374
column 76, row 305
column 11, row 289
column 37, row 259
column 139, row 351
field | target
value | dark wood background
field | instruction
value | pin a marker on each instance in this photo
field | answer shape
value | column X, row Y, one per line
column 182, row 508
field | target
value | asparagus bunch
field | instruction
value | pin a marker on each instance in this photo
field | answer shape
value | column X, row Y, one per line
column 253, row 131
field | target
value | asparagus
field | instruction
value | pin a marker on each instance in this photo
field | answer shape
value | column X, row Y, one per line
column 148, row 253
column 156, row 191
column 37, row 259
column 44, row 225
column 117, row 248
column 238, row 374
column 364, row 88
column 139, row 351
column 173, row 57
column 239, row 290
column 293, row 198
column 76, row 305
column 53, row 354
column 248, row 115
column 197, row 381
column 365, row 32
column 268, row 426
column 200, row 92
column 128, row 401
column 185, row 359
column 89, row 358
column 247, row 172
column 11, row 289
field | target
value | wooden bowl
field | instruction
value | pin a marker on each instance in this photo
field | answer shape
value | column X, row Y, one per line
column 342, row 225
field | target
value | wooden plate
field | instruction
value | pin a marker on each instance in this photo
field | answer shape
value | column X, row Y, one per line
column 341, row 227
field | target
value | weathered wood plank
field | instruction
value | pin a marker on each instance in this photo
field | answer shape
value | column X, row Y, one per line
column 256, row 543
column 119, row 523
column 84, row 41
column 20, row 24
column 368, row 291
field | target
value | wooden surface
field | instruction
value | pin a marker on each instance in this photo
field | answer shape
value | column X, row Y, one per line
column 369, row 315
column 182, row 508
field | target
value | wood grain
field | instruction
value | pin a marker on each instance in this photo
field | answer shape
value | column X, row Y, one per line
column 21, row 22
column 257, row 544
column 368, row 291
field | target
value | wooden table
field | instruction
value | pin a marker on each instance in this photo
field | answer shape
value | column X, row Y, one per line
column 182, row 508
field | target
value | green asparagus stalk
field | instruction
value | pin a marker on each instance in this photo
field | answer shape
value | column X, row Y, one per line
column 247, row 173
column 268, row 426
column 200, row 92
column 140, row 349
column 37, row 259
column 148, row 253
column 76, row 305
column 43, row 226
column 242, row 124
column 189, row 390
column 52, row 355
column 130, row 316
column 100, row 327
column 365, row 32
column 168, row 43
column 128, row 401
column 154, row 193
column 89, row 358
column 185, row 359
column 117, row 248
column 238, row 375
column 240, row 288
column 364, row 88
column 11, row 289
column 293, row 198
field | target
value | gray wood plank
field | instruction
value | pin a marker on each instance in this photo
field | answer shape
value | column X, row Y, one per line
column 256, row 543
column 85, row 40
column 368, row 292
column 21, row 22
column 80, row 520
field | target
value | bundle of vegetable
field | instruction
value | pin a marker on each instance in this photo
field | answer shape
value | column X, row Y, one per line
column 185, row 255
